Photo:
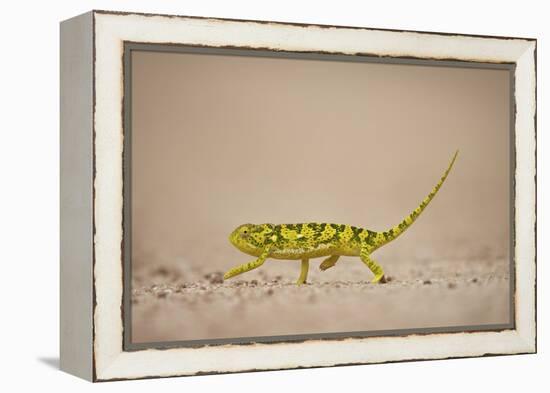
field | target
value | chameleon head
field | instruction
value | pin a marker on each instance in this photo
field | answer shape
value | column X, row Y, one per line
column 250, row 238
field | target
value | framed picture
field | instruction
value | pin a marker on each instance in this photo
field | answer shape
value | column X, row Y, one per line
column 245, row 195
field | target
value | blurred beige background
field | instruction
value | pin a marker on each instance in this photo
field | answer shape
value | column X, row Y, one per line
column 218, row 141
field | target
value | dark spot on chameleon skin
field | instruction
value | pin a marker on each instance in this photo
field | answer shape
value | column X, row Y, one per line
column 356, row 232
column 324, row 232
column 277, row 233
column 341, row 235
column 342, row 228
column 334, row 226
column 252, row 240
column 319, row 230
column 369, row 238
column 299, row 227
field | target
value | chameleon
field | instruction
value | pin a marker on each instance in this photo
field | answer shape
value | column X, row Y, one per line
column 314, row 240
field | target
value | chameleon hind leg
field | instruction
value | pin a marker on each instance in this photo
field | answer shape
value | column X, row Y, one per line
column 329, row 262
column 246, row 267
column 303, row 273
column 375, row 268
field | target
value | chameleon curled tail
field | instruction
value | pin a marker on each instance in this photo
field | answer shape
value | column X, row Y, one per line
column 305, row 241
column 385, row 237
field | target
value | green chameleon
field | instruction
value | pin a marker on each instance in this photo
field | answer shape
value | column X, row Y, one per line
column 314, row 240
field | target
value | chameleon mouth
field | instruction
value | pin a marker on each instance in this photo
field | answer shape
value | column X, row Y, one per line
column 236, row 239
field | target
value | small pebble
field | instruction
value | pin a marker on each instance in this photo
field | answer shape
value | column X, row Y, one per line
column 270, row 291
column 163, row 294
column 451, row 285
column 214, row 277
column 427, row 282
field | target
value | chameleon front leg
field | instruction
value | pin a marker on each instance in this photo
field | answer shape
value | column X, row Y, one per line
column 373, row 266
column 246, row 267
column 329, row 262
column 303, row 273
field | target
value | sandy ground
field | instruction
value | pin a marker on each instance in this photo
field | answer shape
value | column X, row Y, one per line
column 170, row 304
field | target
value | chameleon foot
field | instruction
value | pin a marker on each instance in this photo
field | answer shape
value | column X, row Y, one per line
column 379, row 279
column 329, row 262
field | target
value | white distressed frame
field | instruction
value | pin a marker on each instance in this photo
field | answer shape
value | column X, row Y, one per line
column 112, row 29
